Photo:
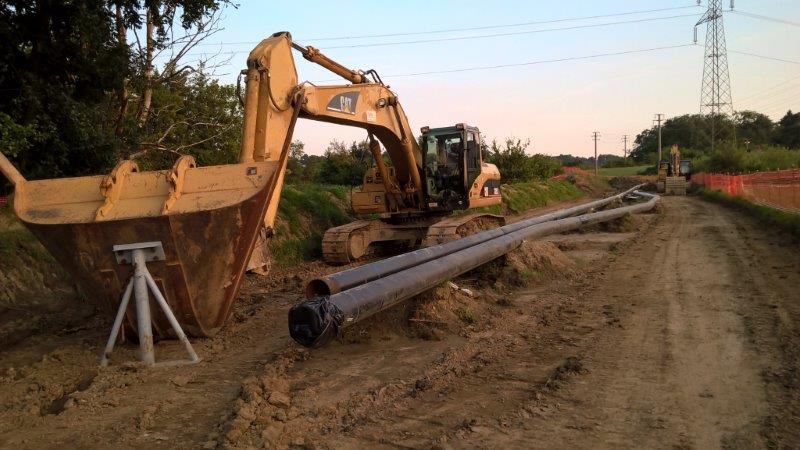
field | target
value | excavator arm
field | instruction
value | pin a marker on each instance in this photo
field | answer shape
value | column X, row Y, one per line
column 274, row 99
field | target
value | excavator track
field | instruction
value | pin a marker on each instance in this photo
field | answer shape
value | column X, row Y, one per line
column 453, row 228
column 353, row 241
column 345, row 243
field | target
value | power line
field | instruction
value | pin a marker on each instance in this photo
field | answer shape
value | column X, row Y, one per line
column 529, row 63
column 786, row 90
column 486, row 27
column 758, row 93
column 514, row 33
column 784, row 101
column 461, row 38
column 759, row 16
column 764, row 57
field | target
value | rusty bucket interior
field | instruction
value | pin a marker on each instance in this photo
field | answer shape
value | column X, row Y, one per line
column 207, row 219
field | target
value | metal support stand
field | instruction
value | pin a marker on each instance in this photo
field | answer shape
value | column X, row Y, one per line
column 138, row 255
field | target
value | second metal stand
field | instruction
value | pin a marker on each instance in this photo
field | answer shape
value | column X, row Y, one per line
column 140, row 283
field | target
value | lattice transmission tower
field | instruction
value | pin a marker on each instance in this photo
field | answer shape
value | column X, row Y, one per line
column 715, row 92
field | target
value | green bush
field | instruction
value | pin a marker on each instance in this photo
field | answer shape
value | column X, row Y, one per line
column 516, row 165
column 728, row 158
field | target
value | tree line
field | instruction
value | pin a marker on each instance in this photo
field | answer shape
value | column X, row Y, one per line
column 748, row 141
column 345, row 164
column 86, row 83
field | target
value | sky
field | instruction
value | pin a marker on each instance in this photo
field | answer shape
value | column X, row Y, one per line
column 556, row 105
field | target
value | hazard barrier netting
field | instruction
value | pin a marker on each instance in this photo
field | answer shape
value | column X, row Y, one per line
column 779, row 189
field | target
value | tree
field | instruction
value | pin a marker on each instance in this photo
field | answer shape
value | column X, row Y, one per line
column 196, row 116
column 753, row 128
column 344, row 165
column 516, row 165
column 787, row 133
column 69, row 80
column 294, row 166
column 58, row 61
column 690, row 132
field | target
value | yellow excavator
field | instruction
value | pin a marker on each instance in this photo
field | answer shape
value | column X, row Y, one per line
column 674, row 174
column 205, row 226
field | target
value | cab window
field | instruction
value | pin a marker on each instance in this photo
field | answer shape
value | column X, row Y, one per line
column 473, row 151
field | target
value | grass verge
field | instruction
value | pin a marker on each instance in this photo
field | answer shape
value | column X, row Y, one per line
column 770, row 216
column 305, row 211
column 519, row 197
column 621, row 171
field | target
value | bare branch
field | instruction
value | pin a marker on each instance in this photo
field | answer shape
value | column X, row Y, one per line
column 214, row 136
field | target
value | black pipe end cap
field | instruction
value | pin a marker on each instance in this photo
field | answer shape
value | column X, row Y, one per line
column 315, row 323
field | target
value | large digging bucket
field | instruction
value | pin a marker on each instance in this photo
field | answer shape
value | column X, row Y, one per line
column 207, row 219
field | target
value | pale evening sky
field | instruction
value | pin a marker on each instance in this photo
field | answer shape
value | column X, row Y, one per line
column 555, row 104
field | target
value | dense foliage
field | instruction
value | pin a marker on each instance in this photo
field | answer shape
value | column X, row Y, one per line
column 516, row 165
column 77, row 97
column 749, row 141
column 339, row 165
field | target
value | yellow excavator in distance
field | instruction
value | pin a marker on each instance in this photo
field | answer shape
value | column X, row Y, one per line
column 674, row 174
column 212, row 223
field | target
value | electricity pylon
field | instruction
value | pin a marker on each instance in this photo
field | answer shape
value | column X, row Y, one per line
column 715, row 93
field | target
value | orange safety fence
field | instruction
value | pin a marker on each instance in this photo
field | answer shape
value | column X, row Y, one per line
column 779, row 189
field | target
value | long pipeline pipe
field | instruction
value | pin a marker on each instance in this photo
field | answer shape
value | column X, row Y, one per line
column 316, row 322
column 347, row 279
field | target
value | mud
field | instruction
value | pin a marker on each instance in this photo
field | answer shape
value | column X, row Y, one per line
column 678, row 330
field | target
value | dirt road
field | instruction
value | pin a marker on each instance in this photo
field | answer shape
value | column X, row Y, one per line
column 679, row 331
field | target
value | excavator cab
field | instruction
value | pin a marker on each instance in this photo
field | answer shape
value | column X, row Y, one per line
column 452, row 162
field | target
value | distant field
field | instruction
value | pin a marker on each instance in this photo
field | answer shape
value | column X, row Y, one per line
column 621, row 171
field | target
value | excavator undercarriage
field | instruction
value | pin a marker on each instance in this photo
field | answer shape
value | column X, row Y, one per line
column 362, row 238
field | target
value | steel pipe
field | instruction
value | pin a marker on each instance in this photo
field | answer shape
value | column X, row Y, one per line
column 316, row 322
column 347, row 279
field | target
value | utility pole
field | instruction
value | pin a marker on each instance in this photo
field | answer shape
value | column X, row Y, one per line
column 624, row 145
column 595, row 136
column 658, row 118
